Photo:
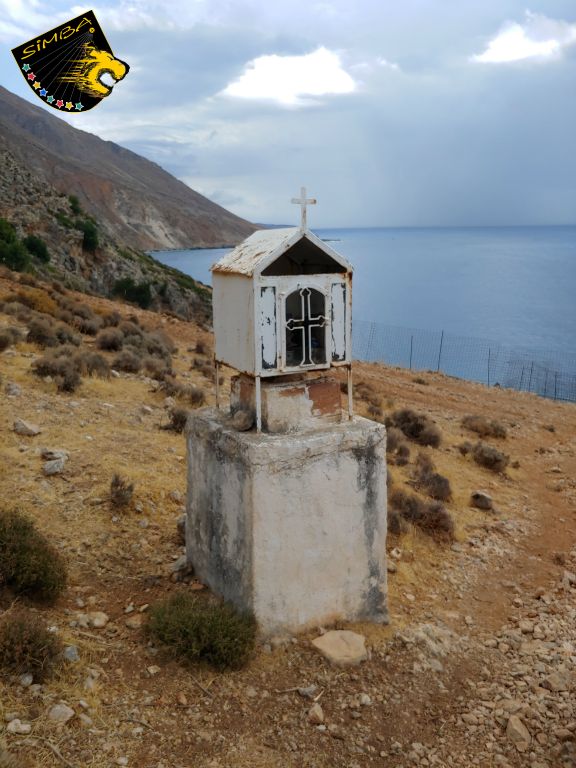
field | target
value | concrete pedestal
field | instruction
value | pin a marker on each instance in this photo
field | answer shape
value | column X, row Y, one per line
column 289, row 527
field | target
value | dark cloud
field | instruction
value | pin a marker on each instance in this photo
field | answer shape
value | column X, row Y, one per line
column 440, row 140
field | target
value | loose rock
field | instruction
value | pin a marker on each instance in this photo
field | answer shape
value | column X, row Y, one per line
column 517, row 733
column 26, row 428
column 481, row 500
column 61, row 713
column 315, row 714
column 342, row 647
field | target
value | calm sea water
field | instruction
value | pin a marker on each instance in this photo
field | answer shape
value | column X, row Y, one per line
column 513, row 285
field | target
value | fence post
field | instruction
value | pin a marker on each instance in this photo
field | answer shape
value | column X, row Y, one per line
column 555, row 384
column 411, row 343
column 546, row 383
column 440, row 351
column 370, row 337
column 530, row 379
column 488, row 366
column 521, row 379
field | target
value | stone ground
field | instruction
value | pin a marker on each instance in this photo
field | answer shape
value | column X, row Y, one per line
column 477, row 667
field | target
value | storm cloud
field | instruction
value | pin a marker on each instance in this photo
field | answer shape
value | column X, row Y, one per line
column 413, row 114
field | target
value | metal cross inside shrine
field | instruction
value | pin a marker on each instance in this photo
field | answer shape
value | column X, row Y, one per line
column 303, row 202
column 305, row 325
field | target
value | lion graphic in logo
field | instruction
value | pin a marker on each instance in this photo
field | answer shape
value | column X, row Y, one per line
column 86, row 72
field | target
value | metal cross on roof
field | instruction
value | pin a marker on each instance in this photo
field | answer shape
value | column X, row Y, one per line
column 303, row 202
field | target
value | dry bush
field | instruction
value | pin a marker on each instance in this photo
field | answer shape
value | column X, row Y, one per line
column 431, row 517
column 365, row 391
column 8, row 337
column 110, row 340
column 121, row 492
column 5, row 340
column 27, row 279
column 200, row 631
column 172, row 387
column 129, row 328
column 416, row 426
column 111, row 319
column 66, row 335
column 424, row 465
column 36, row 299
column 26, row 645
column 155, row 368
column 397, row 448
column 178, row 419
column 428, row 480
column 88, row 326
column 195, row 395
column 201, row 348
column 65, row 315
column 465, row 448
column 484, row 427
column 92, row 364
column 14, row 308
column 43, row 333
column 29, row 564
column 489, row 457
column 436, row 486
column 374, row 411
column 82, row 310
column 61, row 368
column 128, row 360
column 396, row 523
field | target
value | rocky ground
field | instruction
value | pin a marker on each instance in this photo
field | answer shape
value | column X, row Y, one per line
column 477, row 667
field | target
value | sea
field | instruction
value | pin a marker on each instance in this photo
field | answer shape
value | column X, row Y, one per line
column 515, row 285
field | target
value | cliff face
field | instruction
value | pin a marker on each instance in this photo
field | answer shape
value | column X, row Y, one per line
column 35, row 207
column 134, row 200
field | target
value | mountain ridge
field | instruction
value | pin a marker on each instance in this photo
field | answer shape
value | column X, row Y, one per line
column 134, row 199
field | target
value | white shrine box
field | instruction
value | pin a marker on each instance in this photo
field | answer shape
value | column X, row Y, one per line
column 282, row 305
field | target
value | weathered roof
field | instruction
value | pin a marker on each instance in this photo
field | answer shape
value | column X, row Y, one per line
column 265, row 246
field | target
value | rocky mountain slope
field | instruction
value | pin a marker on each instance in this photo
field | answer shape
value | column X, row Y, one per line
column 136, row 202
column 35, row 207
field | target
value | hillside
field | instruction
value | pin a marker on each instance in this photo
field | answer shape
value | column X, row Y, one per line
column 137, row 203
column 482, row 632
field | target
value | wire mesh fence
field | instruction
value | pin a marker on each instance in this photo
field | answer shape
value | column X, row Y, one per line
column 544, row 372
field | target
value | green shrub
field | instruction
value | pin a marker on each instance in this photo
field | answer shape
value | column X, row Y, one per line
column 62, row 218
column 199, row 631
column 37, row 247
column 26, row 645
column 88, row 227
column 29, row 564
column 14, row 256
column 138, row 293
column 75, row 206
column 7, row 232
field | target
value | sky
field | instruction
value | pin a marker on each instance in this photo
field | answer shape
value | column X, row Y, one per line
column 413, row 113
